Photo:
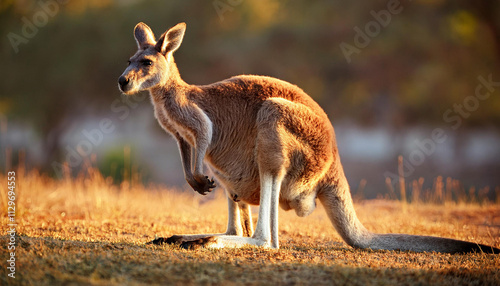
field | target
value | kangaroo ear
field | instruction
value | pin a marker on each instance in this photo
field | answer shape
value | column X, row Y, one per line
column 171, row 39
column 144, row 36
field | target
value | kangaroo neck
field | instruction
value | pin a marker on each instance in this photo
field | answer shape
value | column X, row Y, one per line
column 172, row 88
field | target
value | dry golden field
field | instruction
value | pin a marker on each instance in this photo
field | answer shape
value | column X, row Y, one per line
column 87, row 231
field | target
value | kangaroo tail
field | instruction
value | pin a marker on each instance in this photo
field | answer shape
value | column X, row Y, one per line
column 340, row 209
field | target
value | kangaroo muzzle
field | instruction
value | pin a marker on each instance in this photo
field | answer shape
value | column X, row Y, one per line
column 123, row 83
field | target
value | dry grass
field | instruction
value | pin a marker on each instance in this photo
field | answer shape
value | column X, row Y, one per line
column 87, row 231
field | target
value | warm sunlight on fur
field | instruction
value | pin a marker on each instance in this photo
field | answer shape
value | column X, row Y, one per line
column 266, row 142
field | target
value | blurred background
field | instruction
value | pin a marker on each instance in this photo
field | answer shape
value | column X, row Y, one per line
column 418, row 79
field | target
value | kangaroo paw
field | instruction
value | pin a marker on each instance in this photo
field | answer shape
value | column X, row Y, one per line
column 203, row 185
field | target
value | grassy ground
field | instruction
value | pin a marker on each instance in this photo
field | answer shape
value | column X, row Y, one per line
column 87, row 231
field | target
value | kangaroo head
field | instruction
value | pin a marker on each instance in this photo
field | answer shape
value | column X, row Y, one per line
column 150, row 66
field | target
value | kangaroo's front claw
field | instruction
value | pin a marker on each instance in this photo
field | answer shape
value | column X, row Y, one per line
column 211, row 184
column 203, row 185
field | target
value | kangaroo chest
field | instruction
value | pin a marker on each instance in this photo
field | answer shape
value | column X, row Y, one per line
column 169, row 124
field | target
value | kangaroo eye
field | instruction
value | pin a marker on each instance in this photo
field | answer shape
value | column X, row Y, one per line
column 128, row 63
column 147, row 62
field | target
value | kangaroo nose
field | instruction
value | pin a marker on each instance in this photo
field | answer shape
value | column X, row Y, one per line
column 123, row 81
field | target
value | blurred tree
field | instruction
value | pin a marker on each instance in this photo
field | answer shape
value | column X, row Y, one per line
column 425, row 60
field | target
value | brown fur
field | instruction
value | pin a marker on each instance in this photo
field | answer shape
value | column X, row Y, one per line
column 265, row 140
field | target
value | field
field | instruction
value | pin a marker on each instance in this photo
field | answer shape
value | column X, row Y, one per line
column 87, row 231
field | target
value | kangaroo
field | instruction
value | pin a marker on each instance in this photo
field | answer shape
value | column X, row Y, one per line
column 266, row 142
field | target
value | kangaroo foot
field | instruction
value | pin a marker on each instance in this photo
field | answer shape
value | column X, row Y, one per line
column 198, row 243
column 174, row 239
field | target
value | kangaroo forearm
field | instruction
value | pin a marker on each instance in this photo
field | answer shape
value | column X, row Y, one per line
column 185, row 151
column 195, row 179
column 193, row 134
column 199, row 154
column 192, row 160
column 200, row 126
